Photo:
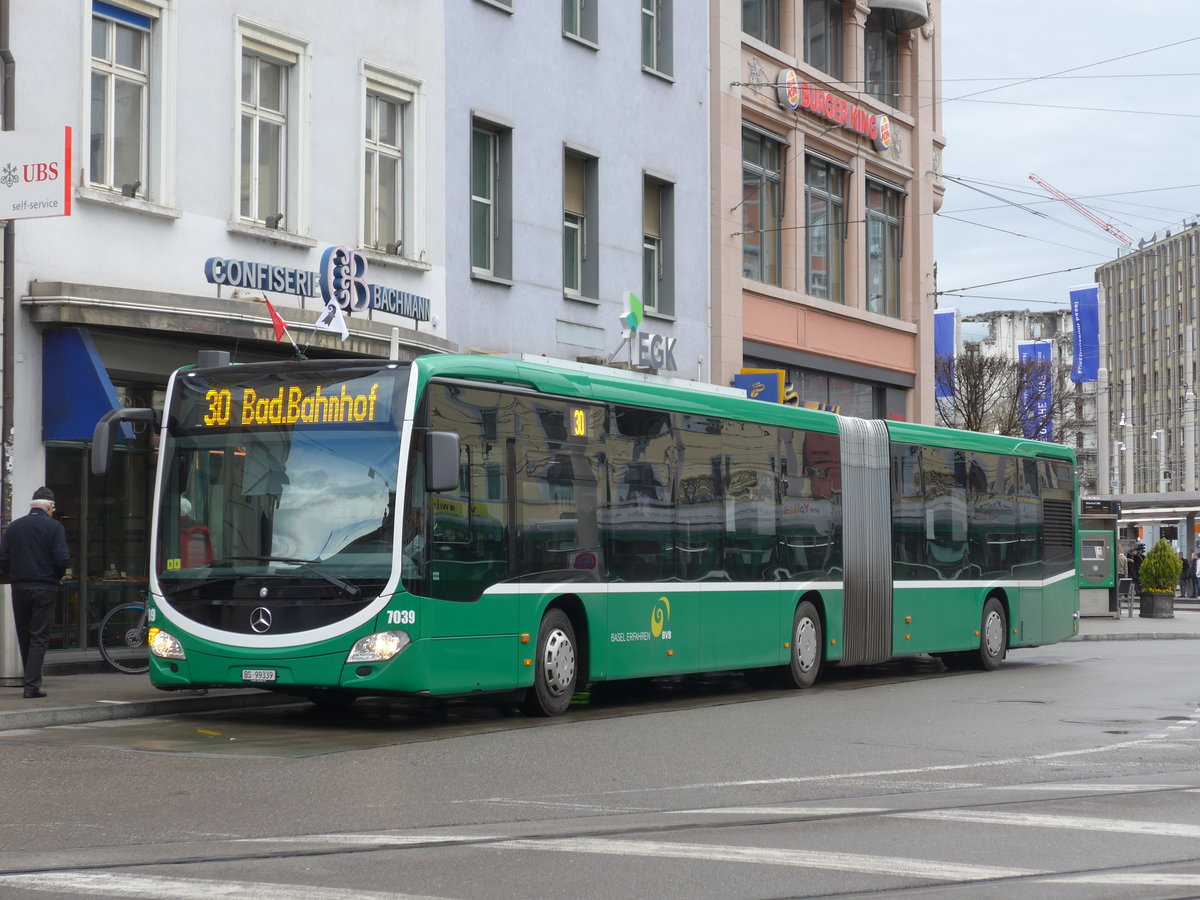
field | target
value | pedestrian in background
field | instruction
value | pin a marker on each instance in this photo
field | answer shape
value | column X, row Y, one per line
column 34, row 553
column 1135, row 565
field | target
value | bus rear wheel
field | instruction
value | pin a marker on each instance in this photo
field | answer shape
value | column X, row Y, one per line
column 993, row 636
column 555, row 667
column 804, row 664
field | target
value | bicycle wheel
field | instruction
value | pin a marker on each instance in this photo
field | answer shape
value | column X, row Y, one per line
column 122, row 638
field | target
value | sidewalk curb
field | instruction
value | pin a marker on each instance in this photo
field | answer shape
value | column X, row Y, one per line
column 117, row 709
column 1137, row 636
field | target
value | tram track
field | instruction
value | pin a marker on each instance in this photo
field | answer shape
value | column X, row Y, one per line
column 672, row 832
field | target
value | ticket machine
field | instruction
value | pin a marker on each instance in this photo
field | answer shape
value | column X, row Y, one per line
column 1096, row 558
column 1097, row 571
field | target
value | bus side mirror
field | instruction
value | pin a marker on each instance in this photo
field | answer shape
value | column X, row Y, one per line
column 106, row 433
column 441, row 461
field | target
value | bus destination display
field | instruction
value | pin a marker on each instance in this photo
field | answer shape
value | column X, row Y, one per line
column 292, row 404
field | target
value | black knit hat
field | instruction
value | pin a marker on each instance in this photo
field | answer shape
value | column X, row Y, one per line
column 44, row 493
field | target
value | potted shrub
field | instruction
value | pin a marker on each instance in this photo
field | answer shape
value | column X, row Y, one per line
column 1157, row 580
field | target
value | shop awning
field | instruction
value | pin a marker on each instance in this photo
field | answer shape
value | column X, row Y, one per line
column 76, row 389
column 909, row 13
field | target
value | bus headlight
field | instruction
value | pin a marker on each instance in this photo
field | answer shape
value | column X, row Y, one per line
column 163, row 645
column 378, row 647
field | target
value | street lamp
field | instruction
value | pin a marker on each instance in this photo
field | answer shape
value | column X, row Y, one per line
column 1162, row 459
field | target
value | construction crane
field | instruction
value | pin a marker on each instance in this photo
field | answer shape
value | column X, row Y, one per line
column 1082, row 210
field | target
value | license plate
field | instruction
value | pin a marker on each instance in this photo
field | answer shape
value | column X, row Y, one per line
column 258, row 674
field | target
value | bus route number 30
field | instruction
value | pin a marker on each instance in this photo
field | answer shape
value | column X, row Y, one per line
column 401, row 616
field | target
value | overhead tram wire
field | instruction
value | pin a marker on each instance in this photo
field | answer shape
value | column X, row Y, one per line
column 1072, row 69
column 971, row 287
column 1110, row 197
column 1102, row 109
column 1018, row 234
column 1023, row 208
column 1189, row 218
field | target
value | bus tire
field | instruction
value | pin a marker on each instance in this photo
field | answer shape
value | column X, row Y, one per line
column 555, row 667
column 804, row 662
column 993, row 636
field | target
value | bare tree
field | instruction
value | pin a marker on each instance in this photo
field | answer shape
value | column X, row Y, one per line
column 993, row 393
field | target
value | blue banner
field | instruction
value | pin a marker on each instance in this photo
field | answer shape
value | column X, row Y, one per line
column 945, row 343
column 1085, row 310
column 1037, row 392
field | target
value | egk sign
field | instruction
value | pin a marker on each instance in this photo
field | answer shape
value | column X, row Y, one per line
column 797, row 94
column 655, row 351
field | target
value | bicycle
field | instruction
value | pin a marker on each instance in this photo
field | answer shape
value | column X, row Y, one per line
column 122, row 638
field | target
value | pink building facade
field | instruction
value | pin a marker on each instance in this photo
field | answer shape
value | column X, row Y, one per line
column 826, row 174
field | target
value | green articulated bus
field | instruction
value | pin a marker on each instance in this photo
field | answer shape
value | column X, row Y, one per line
column 461, row 525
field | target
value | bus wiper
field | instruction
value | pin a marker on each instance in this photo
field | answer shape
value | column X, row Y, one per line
column 345, row 587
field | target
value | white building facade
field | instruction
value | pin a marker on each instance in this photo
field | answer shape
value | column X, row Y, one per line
column 217, row 151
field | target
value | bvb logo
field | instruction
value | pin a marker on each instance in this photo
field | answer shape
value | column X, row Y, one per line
column 660, row 615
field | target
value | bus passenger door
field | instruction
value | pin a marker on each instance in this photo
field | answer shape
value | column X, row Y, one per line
column 1026, row 613
column 1060, row 594
column 741, row 594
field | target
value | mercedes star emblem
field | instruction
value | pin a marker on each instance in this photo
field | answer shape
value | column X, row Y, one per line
column 260, row 619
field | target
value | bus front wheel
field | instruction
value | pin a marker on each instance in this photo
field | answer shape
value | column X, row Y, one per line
column 555, row 667
column 807, row 644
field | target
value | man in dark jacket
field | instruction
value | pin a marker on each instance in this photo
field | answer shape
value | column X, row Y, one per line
column 34, row 553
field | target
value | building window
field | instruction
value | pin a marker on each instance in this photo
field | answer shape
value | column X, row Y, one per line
column 491, row 200
column 579, row 20
column 264, row 138
column 762, row 206
column 656, row 36
column 120, row 80
column 383, row 197
column 658, row 251
column 825, row 228
column 882, row 57
column 580, row 245
column 388, row 173
column 823, row 35
column 574, row 222
column 269, row 189
column 760, row 19
column 883, row 249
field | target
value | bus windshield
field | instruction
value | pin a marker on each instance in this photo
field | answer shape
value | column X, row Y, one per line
column 277, row 471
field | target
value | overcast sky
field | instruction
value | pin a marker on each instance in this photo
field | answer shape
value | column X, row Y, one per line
column 1119, row 133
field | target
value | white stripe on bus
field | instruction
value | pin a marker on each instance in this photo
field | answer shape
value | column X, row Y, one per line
column 664, row 587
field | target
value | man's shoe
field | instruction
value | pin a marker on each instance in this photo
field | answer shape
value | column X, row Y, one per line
column 34, row 694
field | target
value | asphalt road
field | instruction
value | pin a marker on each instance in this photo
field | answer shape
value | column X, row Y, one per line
column 1071, row 772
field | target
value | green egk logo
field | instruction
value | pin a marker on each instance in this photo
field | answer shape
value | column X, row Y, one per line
column 660, row 616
